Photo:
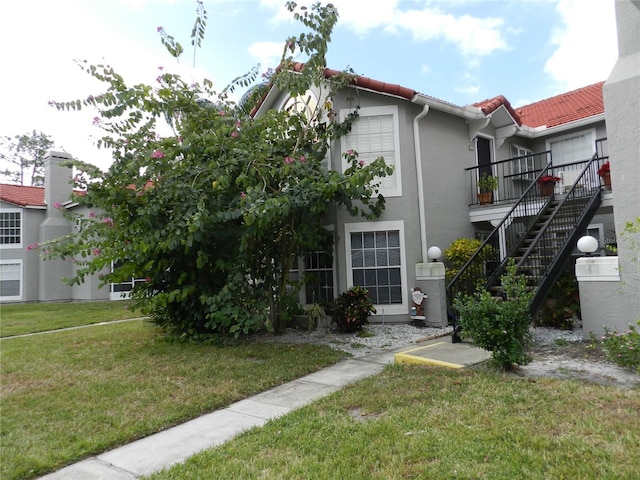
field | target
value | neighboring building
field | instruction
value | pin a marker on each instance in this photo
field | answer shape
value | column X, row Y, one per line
column 30, row 216
column 439, row 150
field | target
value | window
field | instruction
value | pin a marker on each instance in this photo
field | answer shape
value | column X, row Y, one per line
column 305, row 104
column 11, row 229
column 11, row 280
column 523, row 165
column 122, row 291
column 317, row 270
column 375, row 134
column 375, row 256
column 575, row 147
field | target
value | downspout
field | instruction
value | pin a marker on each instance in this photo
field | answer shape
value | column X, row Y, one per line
column 418, row 155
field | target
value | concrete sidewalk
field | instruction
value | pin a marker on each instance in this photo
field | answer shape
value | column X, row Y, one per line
column 174, row 445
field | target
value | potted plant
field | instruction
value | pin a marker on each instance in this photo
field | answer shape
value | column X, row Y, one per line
column 486, row 185
column 605, row 174
column 546, row 184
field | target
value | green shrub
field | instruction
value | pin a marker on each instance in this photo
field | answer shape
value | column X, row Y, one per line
column 352, row 309
column 499, row 326
column 623, row 348
column 458, row 253
column 562, row 305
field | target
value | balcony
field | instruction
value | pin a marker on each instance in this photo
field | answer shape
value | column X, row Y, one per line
column 516, row 175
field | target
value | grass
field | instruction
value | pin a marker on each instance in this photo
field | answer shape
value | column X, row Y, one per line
column 428, row 422
column 71, row 394
column 18, row 319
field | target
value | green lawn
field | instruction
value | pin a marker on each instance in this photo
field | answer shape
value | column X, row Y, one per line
column 67, row 395
column 17, row 319
column 414, row 422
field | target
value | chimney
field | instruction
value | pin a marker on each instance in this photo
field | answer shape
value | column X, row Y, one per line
column 57, row 190
column 57, row 179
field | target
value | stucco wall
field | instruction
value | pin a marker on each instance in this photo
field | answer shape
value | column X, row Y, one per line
column 622, row 109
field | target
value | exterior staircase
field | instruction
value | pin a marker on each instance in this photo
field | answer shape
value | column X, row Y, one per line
column 539, row 234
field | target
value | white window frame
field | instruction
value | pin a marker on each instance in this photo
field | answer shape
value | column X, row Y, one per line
column 300, row 270
column 20, row 244
column 396, row 190
column 591, row 133
column 21, row 279
column 349, row 228
column 525, row 166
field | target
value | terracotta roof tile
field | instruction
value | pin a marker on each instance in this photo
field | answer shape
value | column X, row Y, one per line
column 492, row 104
column 564, row 108
column 22, row 195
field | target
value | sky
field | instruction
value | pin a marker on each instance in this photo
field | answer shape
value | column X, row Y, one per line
column 460, row 51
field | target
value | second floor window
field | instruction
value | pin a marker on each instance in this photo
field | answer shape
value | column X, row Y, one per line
column 11, row 229
column 373, row 135
column 523, row 165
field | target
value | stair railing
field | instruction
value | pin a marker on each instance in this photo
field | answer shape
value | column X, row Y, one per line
column 557, row 239
column 486, row 261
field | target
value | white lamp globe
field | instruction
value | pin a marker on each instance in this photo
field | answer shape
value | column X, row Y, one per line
column 587, row 244
column 434, row 253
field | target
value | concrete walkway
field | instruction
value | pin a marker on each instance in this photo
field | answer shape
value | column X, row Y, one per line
column 174, row 445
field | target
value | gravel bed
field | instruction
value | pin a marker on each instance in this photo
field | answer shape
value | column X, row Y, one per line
column 555, row 353
column 377, row 336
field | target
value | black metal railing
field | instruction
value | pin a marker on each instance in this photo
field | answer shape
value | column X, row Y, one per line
column 515, row 176
column 537, row 231
column 545, row 256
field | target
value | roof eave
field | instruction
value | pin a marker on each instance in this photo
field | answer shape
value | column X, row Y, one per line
column 535, row 132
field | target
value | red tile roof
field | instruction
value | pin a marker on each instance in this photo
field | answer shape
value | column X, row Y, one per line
column 492, row 104
column 564, row 108
column 22, row 195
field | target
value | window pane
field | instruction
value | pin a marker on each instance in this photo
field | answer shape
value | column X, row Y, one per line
column 356, row 258
column 383, row 277
column 358, row 278
column 383, row 296
column 394, row 238
column 396, row 295
column 368, row 240
column 356, row 240
column 394, row 256
column 369, row 258
column 394, row 276
column 381, row 239
column 373, row 295
column 381, row 258
column 370, row 278
column 9, row 288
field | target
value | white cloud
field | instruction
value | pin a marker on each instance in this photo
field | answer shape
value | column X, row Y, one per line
column 586, row 43
column 267, row 53
column 472, row 36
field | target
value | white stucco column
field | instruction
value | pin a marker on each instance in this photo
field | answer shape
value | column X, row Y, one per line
column 602, row 295
column 430, row 278
column 621, row 94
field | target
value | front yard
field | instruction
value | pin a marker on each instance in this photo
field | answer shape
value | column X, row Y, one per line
column 67, row 395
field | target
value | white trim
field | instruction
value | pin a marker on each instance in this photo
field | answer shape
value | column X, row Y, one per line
column 535, row 132
column 22, row 218
column 21, row 279
column 386, row 309
column 392, row 110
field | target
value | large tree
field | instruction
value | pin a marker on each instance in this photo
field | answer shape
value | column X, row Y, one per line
column 25, row 153
column 213, row 215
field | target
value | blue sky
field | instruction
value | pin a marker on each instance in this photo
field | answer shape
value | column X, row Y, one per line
column 461, row 51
